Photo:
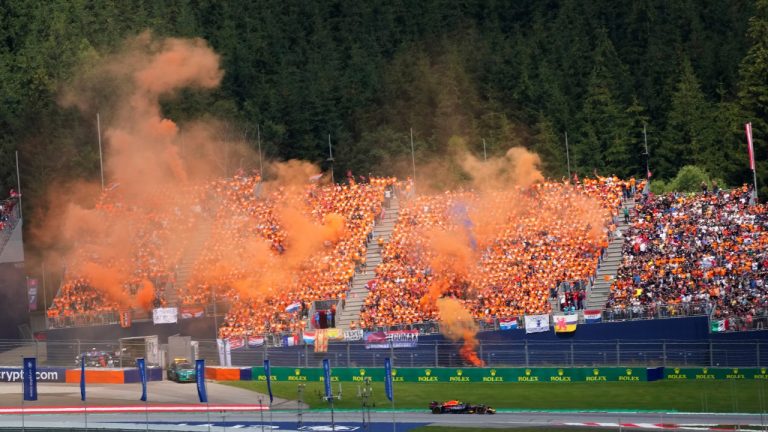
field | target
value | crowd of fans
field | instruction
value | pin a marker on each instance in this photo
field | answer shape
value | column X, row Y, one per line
column 245, row 217
column 707, row 250
column 142, row 247
column 546, row 242
column 543, row 242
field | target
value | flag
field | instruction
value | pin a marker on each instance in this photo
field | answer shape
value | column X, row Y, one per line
column 321, row 341
column 592, row 316
column 717, row 326
column 536, row 323
column 293, row 307
column 327, row 379
column 200, row 378
column 32, row 294
column 750, row 147
column 255, row 341
column 268, row 374
column 309, row 337
column 142, row 377
column 388, row 378
column 82, row 377
column 291, row 340
column 508, row 325
column 566, row 323
column 30, row 379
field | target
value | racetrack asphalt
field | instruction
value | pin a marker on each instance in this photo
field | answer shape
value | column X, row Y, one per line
column 379, row 421
column 284, row 416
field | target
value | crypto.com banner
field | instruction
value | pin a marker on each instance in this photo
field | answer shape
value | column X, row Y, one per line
column 44, row 374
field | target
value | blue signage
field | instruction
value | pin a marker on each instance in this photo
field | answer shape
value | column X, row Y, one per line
column 30, row 379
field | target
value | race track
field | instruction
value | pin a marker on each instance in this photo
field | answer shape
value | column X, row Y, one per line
column 172, row 407
column 379, row 421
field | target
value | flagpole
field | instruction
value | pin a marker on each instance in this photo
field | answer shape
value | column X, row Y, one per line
column 751, row 149
column 23, row 425
column 18, row 185
column 101, row 158
column 330, row 159
column 258, row 140
column 647, row 154
column 413, row 163
column 568, row 156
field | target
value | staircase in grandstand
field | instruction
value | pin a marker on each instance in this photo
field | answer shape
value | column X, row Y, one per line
column 358, row 293
column 188, row 260
column 609, row 266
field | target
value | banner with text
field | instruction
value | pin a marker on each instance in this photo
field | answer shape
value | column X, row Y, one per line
column 456, row 375
column 394, row 339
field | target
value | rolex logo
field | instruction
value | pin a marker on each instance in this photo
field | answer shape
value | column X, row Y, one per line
column 362, row 372
column 762, row 371
column 394, row 372
column 559, row 372
column 629, row 371
column 595, row 372
column 677, row 371
column 735, row 371
column 428, row 372
column 459, row 372
column 527, row 372
column 493, row 372
column 297, row 372
column 705, row 370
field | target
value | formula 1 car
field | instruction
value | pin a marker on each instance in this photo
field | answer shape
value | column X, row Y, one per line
column 457, row 407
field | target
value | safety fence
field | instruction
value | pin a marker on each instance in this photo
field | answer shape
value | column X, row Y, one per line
column 417, row 353
column 638, row 312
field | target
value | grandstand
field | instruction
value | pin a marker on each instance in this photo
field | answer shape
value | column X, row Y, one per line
column 665, row 256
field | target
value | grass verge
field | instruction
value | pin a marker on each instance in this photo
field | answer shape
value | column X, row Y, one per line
column 697, row 396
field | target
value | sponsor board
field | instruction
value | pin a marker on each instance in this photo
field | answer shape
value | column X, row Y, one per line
column 457, row 375
column 44, row 374
column 708, row 373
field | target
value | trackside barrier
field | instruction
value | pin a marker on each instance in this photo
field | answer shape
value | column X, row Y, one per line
column 44, row 374
column 457, row 375
column 92, row 375
column 228, row 373
column 112, row 375
column 492, row 375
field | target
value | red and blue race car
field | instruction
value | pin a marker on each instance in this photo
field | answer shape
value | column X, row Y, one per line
column 458, row 407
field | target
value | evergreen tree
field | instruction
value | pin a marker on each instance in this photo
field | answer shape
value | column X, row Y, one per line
column 753, row 90
column 550, row 147
column 687, row 138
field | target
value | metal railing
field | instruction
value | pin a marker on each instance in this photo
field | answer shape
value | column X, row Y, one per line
column 429, row 353
column 643, row 312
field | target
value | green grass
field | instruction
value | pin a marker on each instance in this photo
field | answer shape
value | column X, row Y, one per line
column 701, row 396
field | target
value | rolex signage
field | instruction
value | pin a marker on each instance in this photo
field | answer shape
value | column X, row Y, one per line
column 507, row 375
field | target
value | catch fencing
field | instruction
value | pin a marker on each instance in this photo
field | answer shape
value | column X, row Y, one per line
column 428, row 353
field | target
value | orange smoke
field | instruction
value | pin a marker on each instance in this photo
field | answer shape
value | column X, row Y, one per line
column 144, row 166
column 108, row 281
column 145, row 297
column 456, row 323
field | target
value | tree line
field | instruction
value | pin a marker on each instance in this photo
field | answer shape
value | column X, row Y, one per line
column 495, row 73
